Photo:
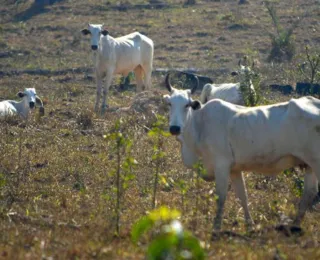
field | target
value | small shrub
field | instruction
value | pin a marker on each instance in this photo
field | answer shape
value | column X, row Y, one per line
column 125, row 81
column 283, row 44
column 310, row 68
column 157, row 133
column 199, row 172
column 298, row 181
column 183, row 188
column 250, row 97
column 248, row 76
column 124, row 162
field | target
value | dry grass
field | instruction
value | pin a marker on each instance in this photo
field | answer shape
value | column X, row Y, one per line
column 57, row 172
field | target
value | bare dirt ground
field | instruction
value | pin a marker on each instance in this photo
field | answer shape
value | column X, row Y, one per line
column 57, row 172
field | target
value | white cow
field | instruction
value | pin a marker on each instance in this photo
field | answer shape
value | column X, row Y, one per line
column 132, row 52
column 23, row 107
column 230, row 139
column 230, row 92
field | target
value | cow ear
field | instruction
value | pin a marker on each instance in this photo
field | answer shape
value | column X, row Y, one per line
column 85, row 31
column 20, row 94
column 195, row 104
column 104, row 32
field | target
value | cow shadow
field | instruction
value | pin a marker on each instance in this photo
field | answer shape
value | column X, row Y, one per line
column 261, row 234
column 123, row 88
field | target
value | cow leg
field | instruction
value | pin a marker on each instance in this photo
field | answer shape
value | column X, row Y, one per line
column 98, row 96
column 310, row 191
column 222, row 178
column 238, row 185
column 138, row 72
column 104, row 104
column 147, row 76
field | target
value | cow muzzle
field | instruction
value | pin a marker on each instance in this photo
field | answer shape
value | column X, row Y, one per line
column 31, row 105
column 94, row 47
column 175, row 130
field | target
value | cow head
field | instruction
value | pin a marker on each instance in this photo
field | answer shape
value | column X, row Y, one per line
column 243, row 70
column 30, row 98
column 180, row 103
column 95, row 30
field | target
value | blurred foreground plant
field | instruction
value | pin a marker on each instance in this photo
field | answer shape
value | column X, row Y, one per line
column 169, row 240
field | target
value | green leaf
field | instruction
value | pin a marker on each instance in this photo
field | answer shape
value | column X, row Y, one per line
column 161, row 154
column 152, row 132
column 191, row 244
column 163, row 180
column 129, row 177
column 142, row 226
column 164, row 214
column 106, row 197
column 165, row 133
column 163, row 247
column 125, row 185
column 3, row 181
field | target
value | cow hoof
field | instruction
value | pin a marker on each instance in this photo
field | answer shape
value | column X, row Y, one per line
column 104, row 109
column 289, row 230
column 250, row 226
column 207, row 178
column 316, row 207
column 215, row 235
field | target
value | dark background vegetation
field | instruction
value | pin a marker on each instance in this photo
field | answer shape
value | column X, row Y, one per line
column 58, row 172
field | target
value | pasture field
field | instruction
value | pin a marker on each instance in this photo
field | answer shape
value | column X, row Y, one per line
column 57, row 172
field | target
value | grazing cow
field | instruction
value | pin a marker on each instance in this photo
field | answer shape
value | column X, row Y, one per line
column 22, row 108
column 231, row 92
column 230, row 139
column 132, row 52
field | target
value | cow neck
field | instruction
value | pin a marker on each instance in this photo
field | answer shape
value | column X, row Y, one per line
column 105, row 40
column 21, row 107
column 190, row 128
column 108, row 39
column 108, row 44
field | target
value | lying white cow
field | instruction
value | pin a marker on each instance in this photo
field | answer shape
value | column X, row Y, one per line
column 132, row 52
column 23, row 107
column 230, row 92
column 231, row 138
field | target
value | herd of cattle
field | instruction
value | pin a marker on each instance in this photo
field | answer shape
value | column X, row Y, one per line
column 220, row 130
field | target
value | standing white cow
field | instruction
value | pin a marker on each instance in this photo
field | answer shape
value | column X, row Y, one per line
column 132, row 52
column 231, row 92
column 23, row 107
column 230, row 139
